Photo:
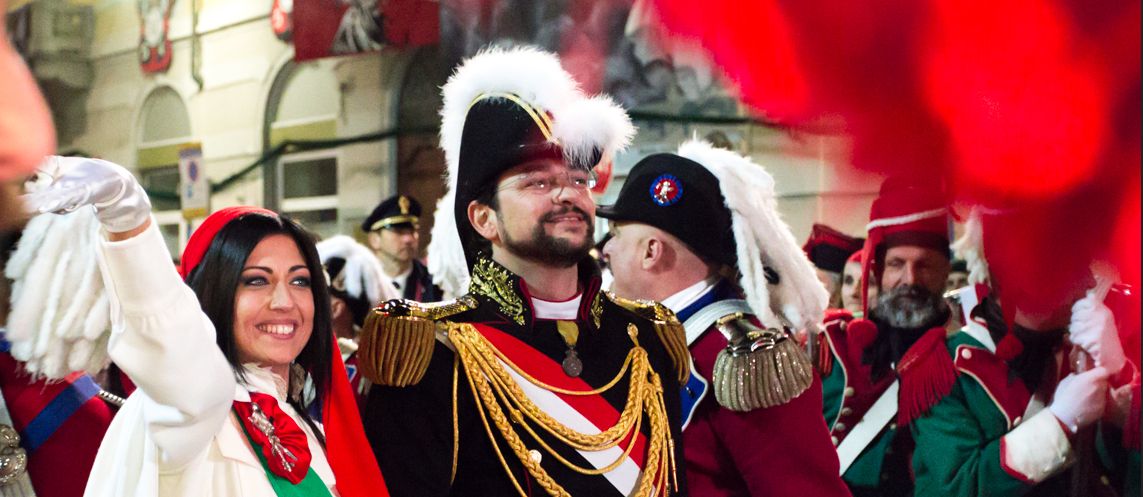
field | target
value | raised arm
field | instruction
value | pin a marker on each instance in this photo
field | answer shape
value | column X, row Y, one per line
column 160, row 336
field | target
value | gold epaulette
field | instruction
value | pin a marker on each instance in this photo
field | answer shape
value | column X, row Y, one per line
column 667, row 326
column 759, row 367
column 397, row 339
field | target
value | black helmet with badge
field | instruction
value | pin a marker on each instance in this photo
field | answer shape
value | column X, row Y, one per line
column 681, row 197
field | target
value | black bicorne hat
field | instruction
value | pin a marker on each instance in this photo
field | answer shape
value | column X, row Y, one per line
column 502, row 108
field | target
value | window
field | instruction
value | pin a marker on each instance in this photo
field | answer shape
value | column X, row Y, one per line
column 167, row 212
column 308, row 182
column 303, row 105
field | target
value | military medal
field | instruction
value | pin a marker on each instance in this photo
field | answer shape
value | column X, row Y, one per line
column 571, row 364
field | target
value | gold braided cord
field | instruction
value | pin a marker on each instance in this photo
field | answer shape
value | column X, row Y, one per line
column 516, row 416
column 455, row 420
column 557, row 429
column 487, row 348
column 495, row 445
column 495, row 390
column 606, row 439
column 509, row 396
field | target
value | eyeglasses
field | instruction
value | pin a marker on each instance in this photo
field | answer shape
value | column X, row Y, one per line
column 578, row 181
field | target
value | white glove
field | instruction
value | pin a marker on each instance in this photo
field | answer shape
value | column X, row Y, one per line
column 1093, row 330
column 1080, row 398
column 120, row 202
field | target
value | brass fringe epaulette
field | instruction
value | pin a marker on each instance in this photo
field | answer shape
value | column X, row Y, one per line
column 397, row 339
column 759, row 368
column 667, row 326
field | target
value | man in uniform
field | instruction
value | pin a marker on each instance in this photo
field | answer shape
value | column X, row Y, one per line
column 392, row 234
column 1027, row 416
column 869, row 365
column 828, row 249
column 535, row 382
column 672, row 241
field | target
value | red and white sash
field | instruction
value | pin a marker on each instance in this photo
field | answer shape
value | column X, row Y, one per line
column 590, row 414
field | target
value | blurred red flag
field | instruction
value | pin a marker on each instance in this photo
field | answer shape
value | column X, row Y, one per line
column 1031, row 107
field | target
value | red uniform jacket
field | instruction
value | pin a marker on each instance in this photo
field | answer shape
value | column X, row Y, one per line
column 61, row 425
column 781, row 451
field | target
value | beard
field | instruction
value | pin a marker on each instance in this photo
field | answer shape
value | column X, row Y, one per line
column 910, row 307
column 549, row 250
column 902, row 316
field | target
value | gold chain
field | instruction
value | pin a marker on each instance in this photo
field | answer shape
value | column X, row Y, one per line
column 496, row 390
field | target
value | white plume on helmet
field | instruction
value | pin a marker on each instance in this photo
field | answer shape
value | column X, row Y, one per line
column 581, row 126
column 363, row 272
column 763, row 240
column 61, row 316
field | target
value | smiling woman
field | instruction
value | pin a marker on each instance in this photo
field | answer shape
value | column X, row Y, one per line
column 256, row 285
column 221, row 351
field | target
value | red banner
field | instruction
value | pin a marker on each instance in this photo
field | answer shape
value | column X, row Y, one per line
column 154, row 40
column 324, row 28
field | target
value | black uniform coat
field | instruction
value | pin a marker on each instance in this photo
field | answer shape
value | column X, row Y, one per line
column 411, row 428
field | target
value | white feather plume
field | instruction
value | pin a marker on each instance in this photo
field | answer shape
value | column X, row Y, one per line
column 581, row 125
column 446, row 260
column 61, row 315
column 970, row 248
column 363, row 272
column 763, row 240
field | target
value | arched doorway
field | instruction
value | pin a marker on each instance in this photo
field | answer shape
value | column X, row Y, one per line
column 163, row 127
column 303, row 104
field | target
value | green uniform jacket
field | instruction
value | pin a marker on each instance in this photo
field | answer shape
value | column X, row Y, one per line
column 847, row 394
column 975, row 442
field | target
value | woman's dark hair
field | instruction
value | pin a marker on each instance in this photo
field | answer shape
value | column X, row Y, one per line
column 215, row 282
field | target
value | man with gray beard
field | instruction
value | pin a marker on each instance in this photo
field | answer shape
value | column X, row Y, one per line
column 878, row 373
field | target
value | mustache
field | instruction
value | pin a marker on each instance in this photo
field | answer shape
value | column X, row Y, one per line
column 571, row 209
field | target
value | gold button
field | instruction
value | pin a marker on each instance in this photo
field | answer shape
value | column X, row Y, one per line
column 839, row 427
column 845, row 411
column 967, row 354
column 848, row 391
column 892, row 426
column 1104, row 480
column 835, row 441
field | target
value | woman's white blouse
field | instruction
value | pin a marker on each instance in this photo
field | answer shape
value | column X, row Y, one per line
column 176, row 435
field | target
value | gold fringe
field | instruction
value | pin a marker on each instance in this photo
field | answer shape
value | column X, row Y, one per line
column 674, row 339
column 671, row 332
column 765, row 377
column 395, row 350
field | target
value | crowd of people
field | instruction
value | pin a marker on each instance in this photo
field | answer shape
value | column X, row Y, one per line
column 723, row 358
